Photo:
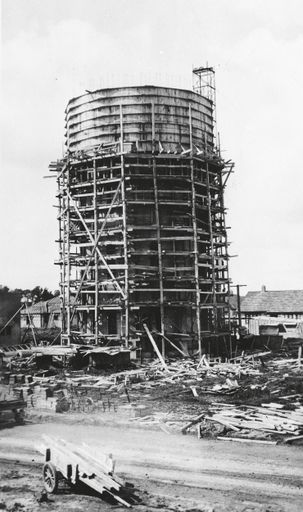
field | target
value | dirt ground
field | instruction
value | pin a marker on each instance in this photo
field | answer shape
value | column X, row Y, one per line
column 171, row 472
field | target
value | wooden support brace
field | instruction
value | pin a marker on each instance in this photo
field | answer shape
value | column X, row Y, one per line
column 155, row 346
column 173, row 345
column 97, row 248
column 94, row 250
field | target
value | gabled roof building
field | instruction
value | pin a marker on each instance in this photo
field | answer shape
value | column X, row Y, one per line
column 43, row 315
column 277, row 303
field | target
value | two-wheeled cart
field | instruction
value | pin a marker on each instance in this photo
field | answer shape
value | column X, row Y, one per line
column 75, row 465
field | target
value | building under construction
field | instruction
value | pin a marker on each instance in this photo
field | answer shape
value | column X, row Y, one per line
column 142, row 231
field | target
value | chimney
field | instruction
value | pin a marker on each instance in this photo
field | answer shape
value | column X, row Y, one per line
column 263, row 288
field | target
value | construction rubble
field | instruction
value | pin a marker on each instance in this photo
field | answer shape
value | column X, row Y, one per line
column 256, row 396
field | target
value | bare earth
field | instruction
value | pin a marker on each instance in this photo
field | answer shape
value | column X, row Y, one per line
column 171, row 472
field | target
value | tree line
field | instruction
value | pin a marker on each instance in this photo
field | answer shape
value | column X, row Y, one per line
column 36, row 294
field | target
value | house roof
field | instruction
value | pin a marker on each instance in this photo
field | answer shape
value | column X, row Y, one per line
column 233, row 301
column 281, row 301
column 54, row 305
column 46, row 306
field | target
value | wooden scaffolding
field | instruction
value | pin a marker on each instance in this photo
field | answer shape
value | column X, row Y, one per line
column 143, row 239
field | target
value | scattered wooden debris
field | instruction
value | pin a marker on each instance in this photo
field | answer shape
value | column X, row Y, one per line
column 273, row 390
column 268, row 418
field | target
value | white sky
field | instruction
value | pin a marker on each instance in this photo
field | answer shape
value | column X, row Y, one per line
column 53, row 50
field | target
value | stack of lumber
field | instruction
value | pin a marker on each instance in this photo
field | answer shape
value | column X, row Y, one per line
column 11, row 405
column 270, row 418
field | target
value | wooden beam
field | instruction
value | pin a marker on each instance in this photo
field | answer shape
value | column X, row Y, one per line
column 96, row 291
column 194, row 223
column 155, row 347
column 158, row 229
column 68, row 256
column 246, row 440
column 213, row 259
column 173, row 345
column 124, row 234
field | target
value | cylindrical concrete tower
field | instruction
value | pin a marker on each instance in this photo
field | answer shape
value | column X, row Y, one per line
column 142, row 222
column 94, row 118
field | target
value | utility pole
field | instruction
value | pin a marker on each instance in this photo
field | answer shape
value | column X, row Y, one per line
column 238, row 286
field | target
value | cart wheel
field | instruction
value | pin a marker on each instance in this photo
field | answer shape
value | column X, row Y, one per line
column 50, row 477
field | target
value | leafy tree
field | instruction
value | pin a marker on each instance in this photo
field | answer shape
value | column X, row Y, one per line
column 46, row 294
column 39, row 294
column 36, row 294
column 9, row 301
